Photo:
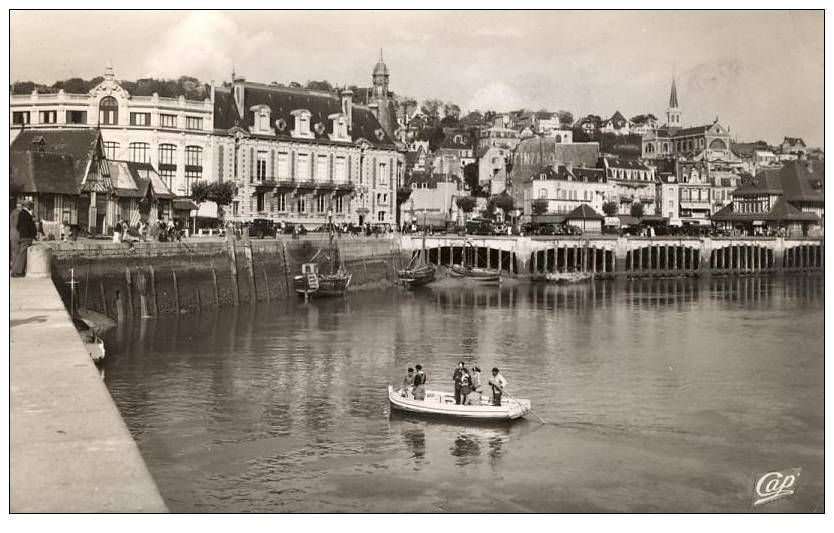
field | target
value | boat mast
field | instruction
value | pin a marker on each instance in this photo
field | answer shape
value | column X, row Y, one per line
column 424, row 236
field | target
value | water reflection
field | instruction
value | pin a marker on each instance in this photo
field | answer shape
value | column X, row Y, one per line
column 289, row 398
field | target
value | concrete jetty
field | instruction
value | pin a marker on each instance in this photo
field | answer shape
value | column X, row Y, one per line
column 70, row 449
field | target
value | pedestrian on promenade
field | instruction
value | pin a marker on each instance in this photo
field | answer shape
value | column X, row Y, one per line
column 420, row 384
column 26, row 232
column 117, row 230
column 14, row 235
column 498, row 384
column 456, row 378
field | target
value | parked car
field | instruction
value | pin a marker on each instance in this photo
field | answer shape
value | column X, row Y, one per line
column 261, row 227
column 479, row 226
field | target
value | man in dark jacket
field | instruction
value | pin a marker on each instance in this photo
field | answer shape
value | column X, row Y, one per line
column 456, row 377
column 26, row 232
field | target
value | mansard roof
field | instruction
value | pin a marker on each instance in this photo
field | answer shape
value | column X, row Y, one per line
column 282, row 101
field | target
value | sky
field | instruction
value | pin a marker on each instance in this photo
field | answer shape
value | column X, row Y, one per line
column 759, row 72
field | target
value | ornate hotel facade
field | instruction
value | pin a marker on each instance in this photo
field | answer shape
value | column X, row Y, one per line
column 174, row 135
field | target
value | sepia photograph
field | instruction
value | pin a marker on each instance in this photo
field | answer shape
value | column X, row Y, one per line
column 416, row 262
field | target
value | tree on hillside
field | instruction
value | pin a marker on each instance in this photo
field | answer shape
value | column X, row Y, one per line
column 489, row 116
column 539, row 206
column 565, row 118
column 451, row 110
column 322, row 85
column 503, row 201
column 643, row 118
column 610, row 208
column 466, row 204
column 431, row 108
column 637, row 209
column 471, row 179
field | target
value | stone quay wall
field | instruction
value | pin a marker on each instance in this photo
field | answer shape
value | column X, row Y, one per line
column 151, row 278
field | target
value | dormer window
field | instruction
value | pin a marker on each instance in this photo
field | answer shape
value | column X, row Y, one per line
column 340, row 127
column 261, row 116
column 302, row 123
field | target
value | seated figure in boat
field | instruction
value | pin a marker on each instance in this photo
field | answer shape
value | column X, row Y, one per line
column 419, row 384
column 498, row 384
column 408, row 383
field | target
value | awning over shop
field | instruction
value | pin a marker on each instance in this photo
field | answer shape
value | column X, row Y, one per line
column 184, row 204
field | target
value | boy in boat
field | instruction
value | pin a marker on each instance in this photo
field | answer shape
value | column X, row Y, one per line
column 474, row 397
column 408, row 383
column 498, row 383
column 419, row 384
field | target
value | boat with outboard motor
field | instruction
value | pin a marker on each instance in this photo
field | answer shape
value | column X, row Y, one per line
column 439, row 403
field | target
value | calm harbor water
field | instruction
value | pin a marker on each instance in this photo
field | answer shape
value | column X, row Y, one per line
column 661, row 395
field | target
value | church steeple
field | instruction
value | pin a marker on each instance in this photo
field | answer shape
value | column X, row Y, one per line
column 673, row 113
column 673, row 98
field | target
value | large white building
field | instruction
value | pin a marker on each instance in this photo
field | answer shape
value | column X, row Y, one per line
column 175, row 135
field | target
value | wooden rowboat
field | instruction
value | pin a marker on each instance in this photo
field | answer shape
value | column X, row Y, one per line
column 443, row 404
column 568, row 277
column 486, row 275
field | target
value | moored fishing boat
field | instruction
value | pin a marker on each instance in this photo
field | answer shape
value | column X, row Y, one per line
column 439, row 403
column 421, row 272
column 482, row 275
column 311, row 283
column 416, row 276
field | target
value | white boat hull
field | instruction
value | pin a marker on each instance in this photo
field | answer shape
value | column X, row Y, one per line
column 439, row 403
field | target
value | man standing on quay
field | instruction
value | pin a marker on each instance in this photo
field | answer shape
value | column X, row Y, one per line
column 26, row 230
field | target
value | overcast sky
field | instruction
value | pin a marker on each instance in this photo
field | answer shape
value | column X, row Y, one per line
column 761, row 73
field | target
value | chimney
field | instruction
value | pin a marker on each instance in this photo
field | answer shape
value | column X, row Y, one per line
column 238, row 93
column 347, row 107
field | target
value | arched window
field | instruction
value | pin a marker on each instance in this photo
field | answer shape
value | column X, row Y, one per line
column 717, row 144
column 139, row 152
column 558, row 138
column 108, row 111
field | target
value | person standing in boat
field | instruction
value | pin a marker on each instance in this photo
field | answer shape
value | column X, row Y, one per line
column 498, row 384
column 419, row 384
column 408, row 382
column 465, row 386
column 474, row 397
column 456, row 377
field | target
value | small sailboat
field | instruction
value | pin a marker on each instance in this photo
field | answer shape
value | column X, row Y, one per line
column 439, row 403
column 335, row 283
column 487, row 276
column 418, row 272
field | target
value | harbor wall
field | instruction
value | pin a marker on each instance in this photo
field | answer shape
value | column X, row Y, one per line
column 613, row 256
column 146, row 279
